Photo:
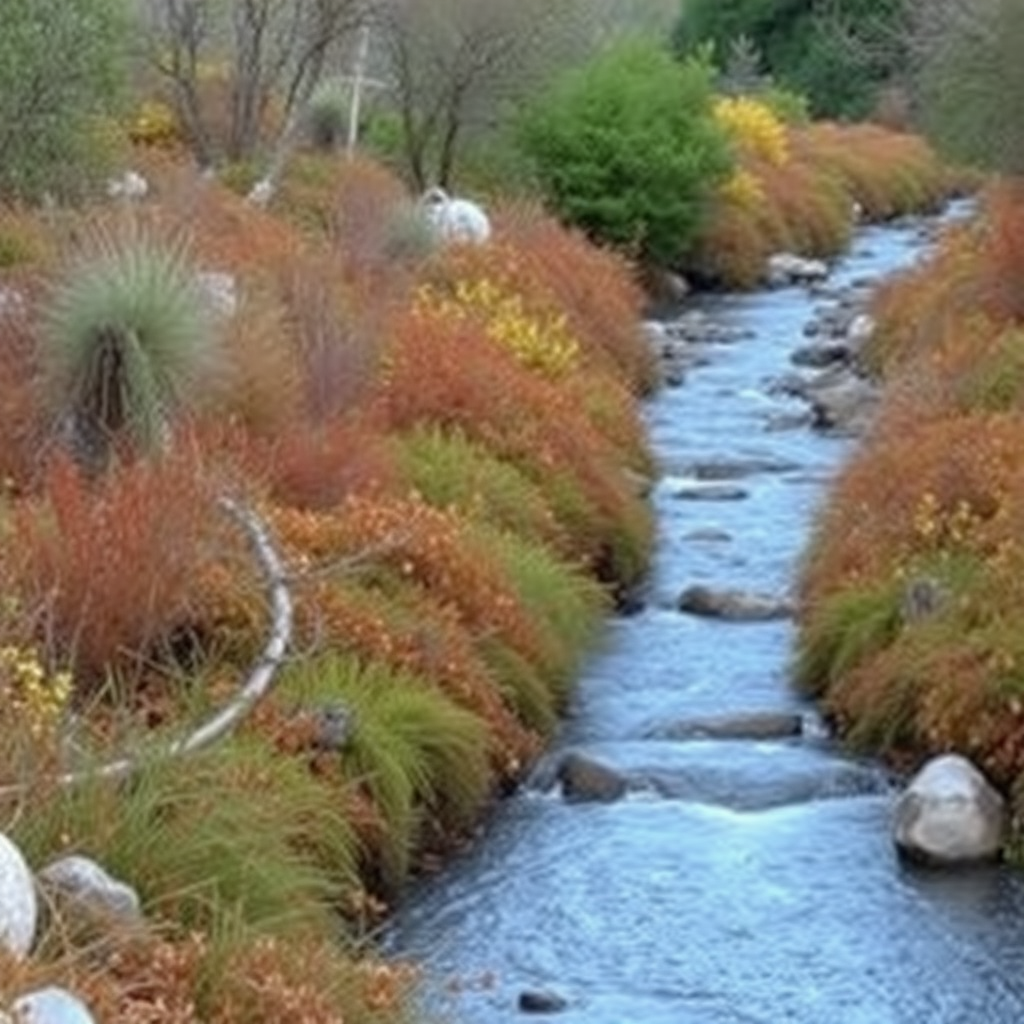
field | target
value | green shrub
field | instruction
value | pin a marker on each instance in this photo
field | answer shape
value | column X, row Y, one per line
column 61, row 65
column 129, row 341
column 627, row 148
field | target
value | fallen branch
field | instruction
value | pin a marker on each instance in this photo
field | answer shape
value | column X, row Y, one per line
column 256, row 687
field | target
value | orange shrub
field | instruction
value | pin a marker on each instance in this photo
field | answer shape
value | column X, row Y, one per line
column 445, row 374
column 598, row 290
column 419, row 544
column 415, row 632
column 939, row 483
column 107, row 568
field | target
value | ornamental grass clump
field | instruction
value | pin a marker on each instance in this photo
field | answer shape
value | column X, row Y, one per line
column 129, row 343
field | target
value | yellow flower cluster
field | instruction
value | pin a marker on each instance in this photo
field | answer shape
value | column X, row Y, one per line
column 539, row 341
column 154, row 124
column 940, row 527
column 34, row 699
column 753, row 128
column 743, row 189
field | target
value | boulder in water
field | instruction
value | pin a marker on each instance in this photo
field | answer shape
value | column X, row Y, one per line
column 585, row 780
column 732, row 605
column 949, row 814
column 541, row 1001
column 751, row 725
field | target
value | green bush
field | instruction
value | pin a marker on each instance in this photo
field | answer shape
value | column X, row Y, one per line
column 626, row 148
column 61, row 65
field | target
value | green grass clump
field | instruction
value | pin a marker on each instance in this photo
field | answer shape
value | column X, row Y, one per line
column 845, row 629
column 417, row 754
column 129, row 340
column 450, row 470
column 237, row 834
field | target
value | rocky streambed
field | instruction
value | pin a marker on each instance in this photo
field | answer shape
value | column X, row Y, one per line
column 697, row 850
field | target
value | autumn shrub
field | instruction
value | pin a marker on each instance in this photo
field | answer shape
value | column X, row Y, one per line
column 416, row 753
column 409, row 630
column 597, row 290
column 451, row 471
column 230, row 976
column 106, row 567
column 408, row 540
column 316, row 466
column 443, row 374
column 333, row 329
column 24, row 425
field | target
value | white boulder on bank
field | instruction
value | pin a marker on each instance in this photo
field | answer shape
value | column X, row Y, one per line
column 455, row 220
column 51, row 1006
column 949, row 814
column 19, row 907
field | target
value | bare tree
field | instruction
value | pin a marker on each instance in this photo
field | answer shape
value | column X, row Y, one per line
column 454, row 65
column 272, row 52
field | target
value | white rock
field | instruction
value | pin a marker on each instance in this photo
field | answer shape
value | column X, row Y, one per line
column 51, row 1006
column 83, row 881
column 861, row 330
column 788, row 268
column 131, row 185
column 220, row 290
column 261, row 193
column 19, row 908
column 949, row 814
column 455, row 220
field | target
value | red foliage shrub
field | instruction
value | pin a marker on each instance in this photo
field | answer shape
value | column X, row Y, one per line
column 107, row 567
column 417, row 544
column 415, row 632
column 448, row 375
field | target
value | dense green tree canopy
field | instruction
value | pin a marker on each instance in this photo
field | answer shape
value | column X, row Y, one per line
column 837, row 52
column 627, row 148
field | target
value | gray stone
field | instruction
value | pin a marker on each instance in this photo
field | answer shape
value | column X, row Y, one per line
column 786, row 268
column 541, row 1001
column 51, row 1005
column 846, row 408
column 861, row 331
column 84, row 884
column 821, row 355
column 19, row 907
column 587, row 781
column 923, row 598
column 755, row 725
column 712, row 492
column 949, row 814
column 708, row 535
column 732, row 605
column 736, row 469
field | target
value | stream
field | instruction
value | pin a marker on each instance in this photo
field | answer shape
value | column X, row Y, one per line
column 751, row 881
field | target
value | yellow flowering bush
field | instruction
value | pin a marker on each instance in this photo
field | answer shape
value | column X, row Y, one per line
column 154, row 124
column 31, row 697
column 754, row 129
column 743, row 189
column 540, row 341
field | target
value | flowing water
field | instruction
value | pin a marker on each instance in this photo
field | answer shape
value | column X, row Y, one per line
column 756, row 881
